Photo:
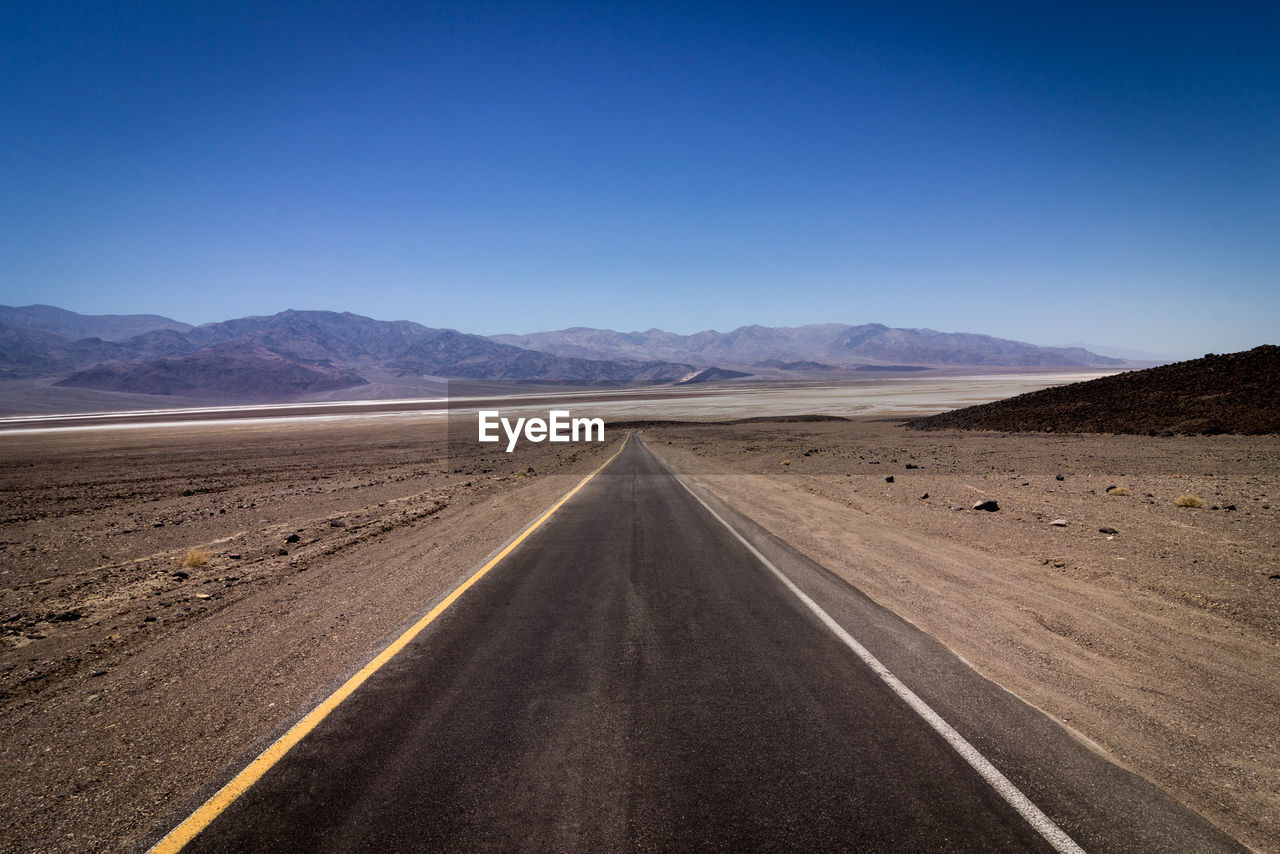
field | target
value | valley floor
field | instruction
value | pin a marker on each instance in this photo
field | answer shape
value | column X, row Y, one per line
column 130, row 679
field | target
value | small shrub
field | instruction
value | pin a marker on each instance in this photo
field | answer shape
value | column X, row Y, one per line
column 1187, row 500
column 1118, row 490
column 196, row 557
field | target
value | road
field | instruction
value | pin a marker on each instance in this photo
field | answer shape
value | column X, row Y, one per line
column 635, row 676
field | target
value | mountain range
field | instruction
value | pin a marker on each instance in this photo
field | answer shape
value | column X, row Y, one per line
column 822, row 345
column 300, row 352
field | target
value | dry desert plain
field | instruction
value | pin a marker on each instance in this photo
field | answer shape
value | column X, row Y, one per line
column 130, row 681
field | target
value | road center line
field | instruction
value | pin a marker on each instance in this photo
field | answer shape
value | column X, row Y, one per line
column 1012, row 795
column 177, row 838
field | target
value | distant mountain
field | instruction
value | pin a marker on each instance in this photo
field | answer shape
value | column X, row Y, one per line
column 830, row 343
column 1125, row 353
column 230, row 370
column 303, row 352
column 793, row 366
column 711, row 375
column 1235, row 393
column 290, row 353
column 72, row 326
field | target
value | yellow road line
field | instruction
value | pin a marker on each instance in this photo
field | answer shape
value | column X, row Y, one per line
column 224, row 797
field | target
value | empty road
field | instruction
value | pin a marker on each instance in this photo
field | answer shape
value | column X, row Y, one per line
column 635, row 676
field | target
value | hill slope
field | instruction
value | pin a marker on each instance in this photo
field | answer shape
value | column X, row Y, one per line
column 226, row 370
column 1234, row 393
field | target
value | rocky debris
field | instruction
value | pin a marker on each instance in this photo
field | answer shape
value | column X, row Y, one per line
column 337, row 523
column 293, row 538
column 235, row 556
column 1059, row 523
column 912, row 466
column 923, row 497
column 66, row 616
column 1111, row 531
column 1058, row 477
column 97, row 674
column 180, row 575
column 282, row 551
column 889, row 479
column 989, row 505
column 956, row 507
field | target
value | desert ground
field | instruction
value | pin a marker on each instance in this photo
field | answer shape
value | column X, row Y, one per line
column 1148, row 628
column 135, row 674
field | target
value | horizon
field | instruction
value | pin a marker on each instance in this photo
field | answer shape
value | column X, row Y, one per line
column 997, row 169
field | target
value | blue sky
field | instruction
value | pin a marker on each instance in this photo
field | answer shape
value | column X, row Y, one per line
column 1050, row 172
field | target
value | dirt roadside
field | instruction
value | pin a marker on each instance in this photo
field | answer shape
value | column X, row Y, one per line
column 1158, row 639
column 129, row 678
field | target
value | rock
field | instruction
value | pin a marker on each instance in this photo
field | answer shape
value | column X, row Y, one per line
column 203, row 596
column 282, row 552
column 923, row 497
column 912, row 466
column 1059, row 477
column 956, row 507
column 181, row 576
column 157, row 524
column 1111, row 531
column 1059, row 523
column 234, row 556
column 1229, row 507
column 148, row 619
column 1275, row 576
column 67, row 616
column 889, row 479
column 293, row 538
column 989, row 505
column 97, row 673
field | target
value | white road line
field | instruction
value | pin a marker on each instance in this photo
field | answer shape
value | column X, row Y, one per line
column 1044, row 825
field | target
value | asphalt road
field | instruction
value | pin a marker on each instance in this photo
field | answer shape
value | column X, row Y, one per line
column 633, row 677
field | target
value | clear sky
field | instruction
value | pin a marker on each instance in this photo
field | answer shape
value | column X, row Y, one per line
column 1052, row 172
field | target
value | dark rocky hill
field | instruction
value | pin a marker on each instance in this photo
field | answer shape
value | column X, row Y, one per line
column 1233, row 393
